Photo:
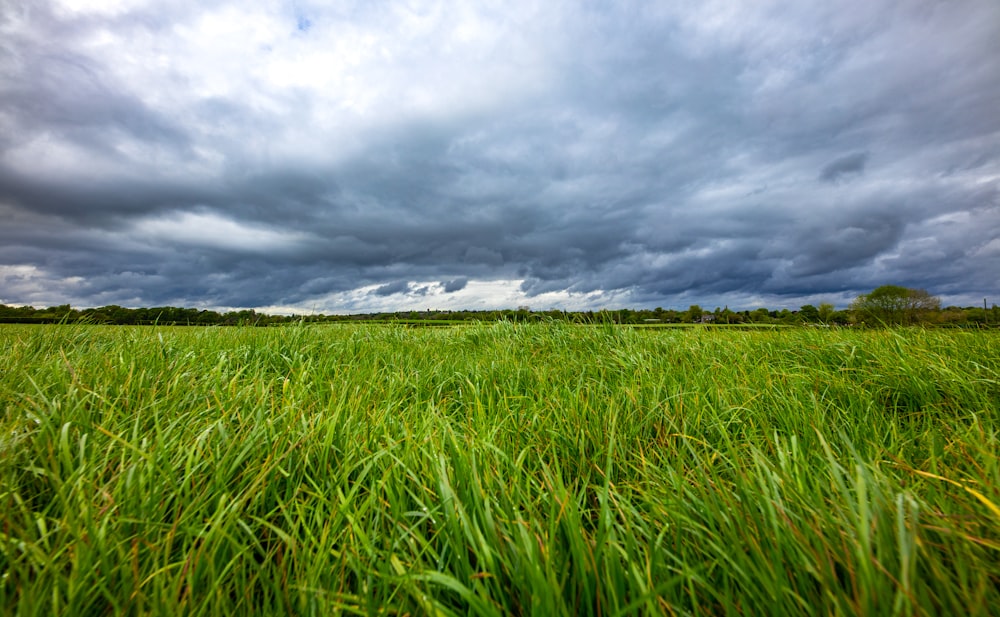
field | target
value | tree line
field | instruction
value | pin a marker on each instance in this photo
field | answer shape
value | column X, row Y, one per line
column 886, row 305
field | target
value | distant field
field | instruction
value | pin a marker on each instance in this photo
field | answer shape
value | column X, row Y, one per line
column 498, row 469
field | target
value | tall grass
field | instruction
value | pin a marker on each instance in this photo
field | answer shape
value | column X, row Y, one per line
column 498, row 469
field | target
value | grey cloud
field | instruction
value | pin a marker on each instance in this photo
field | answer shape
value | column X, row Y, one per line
column 389, row 289
column 844, row 166
column 455, row 284
column 845, row 248
column 49, row 87
column 637, row 151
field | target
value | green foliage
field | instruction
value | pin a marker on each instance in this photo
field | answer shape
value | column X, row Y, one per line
column 826, row 314
column 761, row 315
column 498, row 469
column 894, row 305
column 809, row 314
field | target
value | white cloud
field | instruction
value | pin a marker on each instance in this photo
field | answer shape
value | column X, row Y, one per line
column 33, row 285
column 268, row 153
column 211, row 231
column 107, row 8
column 482, row 295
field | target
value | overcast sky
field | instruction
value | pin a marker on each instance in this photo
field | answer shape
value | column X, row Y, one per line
column 291, row 155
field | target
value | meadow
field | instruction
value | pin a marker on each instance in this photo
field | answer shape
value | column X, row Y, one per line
column 498, row 469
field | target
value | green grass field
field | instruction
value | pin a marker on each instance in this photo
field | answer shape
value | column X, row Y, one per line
column 498, row 469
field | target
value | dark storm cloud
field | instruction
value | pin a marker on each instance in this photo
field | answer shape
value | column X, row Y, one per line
column 399, row 287
column 844, row 166
column 222, row 154
column 455, row 285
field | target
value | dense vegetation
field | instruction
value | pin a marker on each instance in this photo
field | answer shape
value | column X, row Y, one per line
column 825, row 314
column 498, row 469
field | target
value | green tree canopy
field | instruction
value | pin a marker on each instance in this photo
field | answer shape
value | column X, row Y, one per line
column 825, row 312
column 809, row 313
column 894, row 305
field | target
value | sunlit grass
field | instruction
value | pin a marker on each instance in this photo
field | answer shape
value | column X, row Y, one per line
column 498, row 469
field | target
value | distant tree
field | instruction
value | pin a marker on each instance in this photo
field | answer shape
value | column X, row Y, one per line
column 693, row 313
column 117, row 314
column 785, row 316
column 894, row 305
column 809, row 313
column 728, row 316
column 761, row 315
column 975, row 315
column 63, row 312
column 840, row 318
column 673, row 316
column 826, row 311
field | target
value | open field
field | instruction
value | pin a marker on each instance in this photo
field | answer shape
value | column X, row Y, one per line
column 498, row 469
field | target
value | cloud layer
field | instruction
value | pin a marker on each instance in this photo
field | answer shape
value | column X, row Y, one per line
column 381, row 155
